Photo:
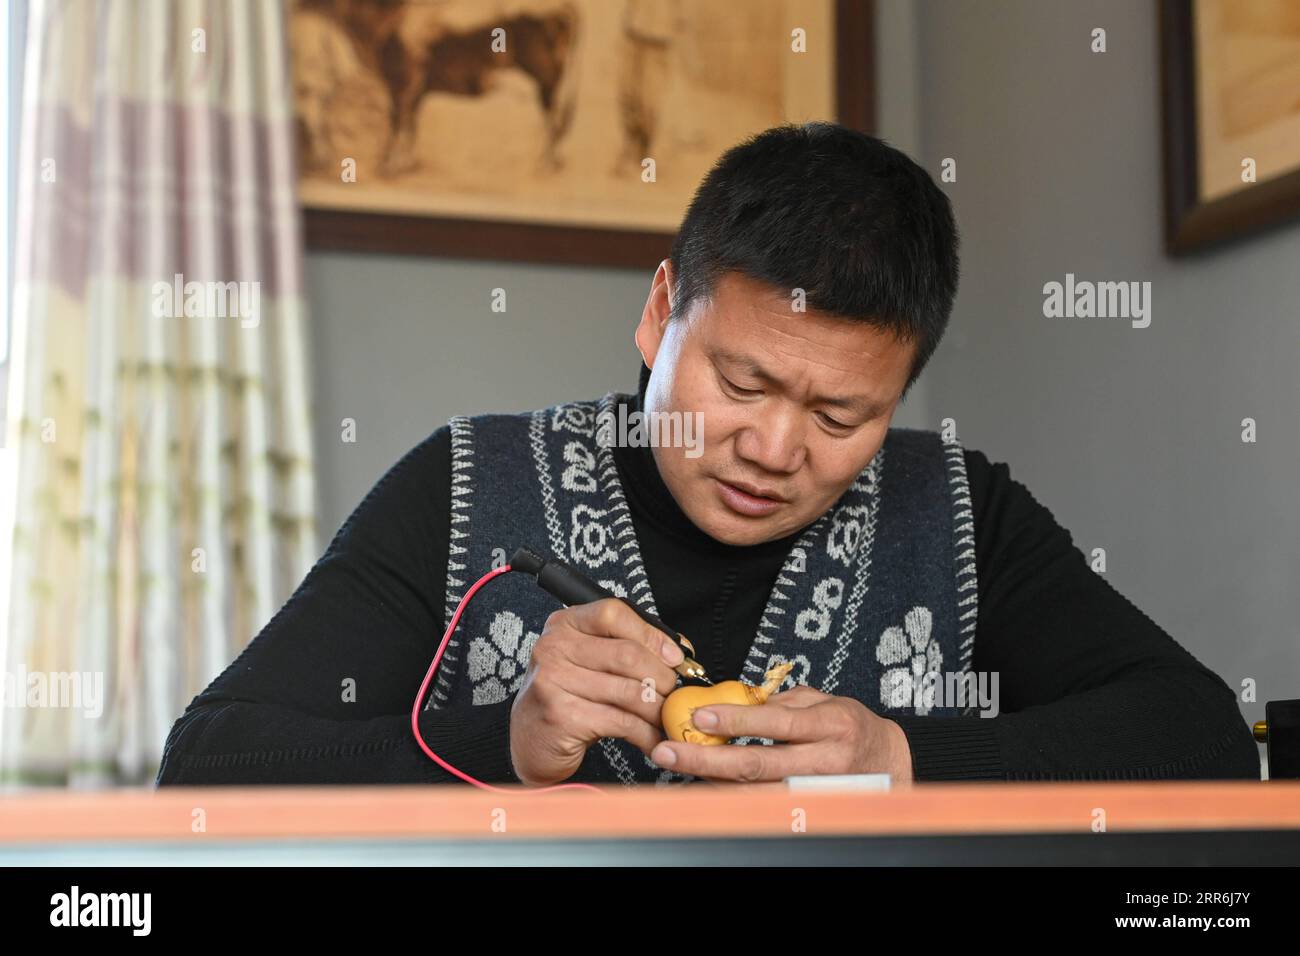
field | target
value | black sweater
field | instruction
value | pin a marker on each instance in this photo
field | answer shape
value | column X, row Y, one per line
column 1090, row 687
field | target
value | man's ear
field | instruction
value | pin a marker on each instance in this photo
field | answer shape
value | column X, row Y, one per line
column 654, row 317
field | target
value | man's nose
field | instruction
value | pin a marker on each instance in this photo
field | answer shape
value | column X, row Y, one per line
column 774, row 442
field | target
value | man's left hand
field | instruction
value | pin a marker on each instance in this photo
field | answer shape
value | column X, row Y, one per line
column 822, row 734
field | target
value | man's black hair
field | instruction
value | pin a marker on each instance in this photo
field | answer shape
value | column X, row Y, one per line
column 855, row 223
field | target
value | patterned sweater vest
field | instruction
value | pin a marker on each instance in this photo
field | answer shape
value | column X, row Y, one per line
column 876, row 600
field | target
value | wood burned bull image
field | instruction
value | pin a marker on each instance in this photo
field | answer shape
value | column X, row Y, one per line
column 595, row 114
column 362, row 69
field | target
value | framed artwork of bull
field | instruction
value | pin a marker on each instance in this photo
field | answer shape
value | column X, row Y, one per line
column 549, row 130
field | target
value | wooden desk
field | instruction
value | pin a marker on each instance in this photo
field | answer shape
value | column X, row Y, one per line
column 1237, row 823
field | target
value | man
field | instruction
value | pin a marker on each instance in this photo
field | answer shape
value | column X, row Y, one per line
column 810, row 282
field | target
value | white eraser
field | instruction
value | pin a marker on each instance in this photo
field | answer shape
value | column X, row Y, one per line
column 841, row 781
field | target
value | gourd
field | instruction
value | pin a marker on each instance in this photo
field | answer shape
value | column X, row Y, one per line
column 681, row 704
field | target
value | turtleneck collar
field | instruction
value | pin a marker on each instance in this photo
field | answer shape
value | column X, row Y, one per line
column 651, row 500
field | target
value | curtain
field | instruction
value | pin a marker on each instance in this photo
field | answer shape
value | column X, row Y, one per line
column 158, row 398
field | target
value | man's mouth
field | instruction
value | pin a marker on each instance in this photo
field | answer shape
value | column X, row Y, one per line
column 743, row 501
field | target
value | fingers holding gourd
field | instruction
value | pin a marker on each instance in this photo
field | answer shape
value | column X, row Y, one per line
column 680, row 706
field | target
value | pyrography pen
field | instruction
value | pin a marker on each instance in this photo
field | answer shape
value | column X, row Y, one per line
column 571, row 587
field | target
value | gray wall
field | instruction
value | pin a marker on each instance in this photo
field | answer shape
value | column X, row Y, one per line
column 402, row 344
column 1131, row 436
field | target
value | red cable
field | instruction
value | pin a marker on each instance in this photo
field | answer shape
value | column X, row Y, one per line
column 424, row 687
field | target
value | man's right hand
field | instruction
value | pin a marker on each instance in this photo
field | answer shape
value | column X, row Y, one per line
column 597, row 670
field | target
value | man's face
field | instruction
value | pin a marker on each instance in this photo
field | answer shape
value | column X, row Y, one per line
column 794, row 404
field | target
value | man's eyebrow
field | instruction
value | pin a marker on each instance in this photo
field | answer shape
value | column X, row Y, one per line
column 860, row 404
column 745, row 363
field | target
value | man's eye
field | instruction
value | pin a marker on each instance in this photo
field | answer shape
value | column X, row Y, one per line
column 736, row 388
column 832, row 422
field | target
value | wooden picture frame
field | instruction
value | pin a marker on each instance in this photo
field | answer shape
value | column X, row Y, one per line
column 387, row 232
column 1194, row 220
